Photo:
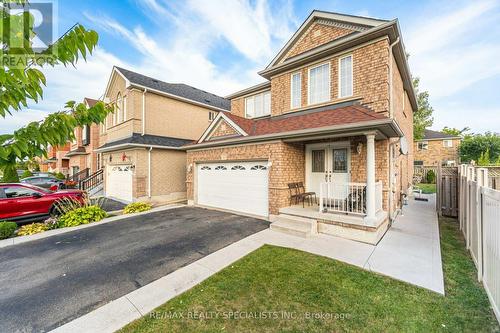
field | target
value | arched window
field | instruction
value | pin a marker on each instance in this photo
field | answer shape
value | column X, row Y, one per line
column 238, row 167
column 119, row 109
column 258, row 167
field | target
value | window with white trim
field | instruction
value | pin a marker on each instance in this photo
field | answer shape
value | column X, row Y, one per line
column 124, row 108
column 296, row 90
column 118, row 109
column 423, row 145
column 345, row 77
column 319, row 84
column 258, row 105
column 448, row 143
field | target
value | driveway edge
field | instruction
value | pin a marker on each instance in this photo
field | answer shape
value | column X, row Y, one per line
column 122, row 311
column 24, row 239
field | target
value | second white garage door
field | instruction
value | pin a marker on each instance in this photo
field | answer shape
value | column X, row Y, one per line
column 239, row 186
column 119, row 182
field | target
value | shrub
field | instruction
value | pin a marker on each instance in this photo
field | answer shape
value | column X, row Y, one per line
column 10, row 175
column 51, row 223
column 31, row 229
column 431, row 177
column 82, row 215
column 7, row 229
column 136, row 207
column 59, row 176
column 26, row 174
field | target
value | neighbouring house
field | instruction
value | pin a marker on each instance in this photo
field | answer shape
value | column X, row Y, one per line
column 437, row 148
column 83, row 160
column 140, row 143
column 335, row 114
column 56, row 160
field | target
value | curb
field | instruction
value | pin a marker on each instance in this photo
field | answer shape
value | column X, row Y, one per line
column 24, row 239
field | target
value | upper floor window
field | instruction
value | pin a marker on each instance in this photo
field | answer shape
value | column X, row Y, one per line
column 296, row 90
column 319, row 84
column 345, row 76
column 119, row 109
column 85, row 135
column 447, row 143
column 258, row 105
column 212, row 115
column 423, row 145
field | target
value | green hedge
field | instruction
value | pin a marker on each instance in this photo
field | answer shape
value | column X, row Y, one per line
column 136, row 207
column 83, row 215
column 7, row 229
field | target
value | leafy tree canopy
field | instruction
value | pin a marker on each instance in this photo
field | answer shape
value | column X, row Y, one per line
column 455, row 131
column 483, row 148
column 22, row 82
column 422, row 118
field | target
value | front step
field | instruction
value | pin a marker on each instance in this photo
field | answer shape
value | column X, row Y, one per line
column 294, row 225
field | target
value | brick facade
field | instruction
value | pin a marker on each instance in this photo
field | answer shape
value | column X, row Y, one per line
column 437, row 153
column 317, row 34
column 222, row 129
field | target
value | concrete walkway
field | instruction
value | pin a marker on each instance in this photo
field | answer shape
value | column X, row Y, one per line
column 409, row 252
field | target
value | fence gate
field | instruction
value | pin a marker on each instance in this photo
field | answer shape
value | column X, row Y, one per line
column 447, row 191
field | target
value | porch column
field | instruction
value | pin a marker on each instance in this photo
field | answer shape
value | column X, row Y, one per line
column 370, row 179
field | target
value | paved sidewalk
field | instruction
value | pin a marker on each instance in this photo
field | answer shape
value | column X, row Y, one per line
column 410, row 252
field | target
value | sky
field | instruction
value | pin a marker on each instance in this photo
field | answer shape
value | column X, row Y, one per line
column 220, row 45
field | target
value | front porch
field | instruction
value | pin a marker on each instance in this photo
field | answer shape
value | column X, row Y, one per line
column 342, row 207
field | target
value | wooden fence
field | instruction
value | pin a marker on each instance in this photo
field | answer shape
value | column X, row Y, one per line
column 423, row 170
column 479, row 216
column 447, row 191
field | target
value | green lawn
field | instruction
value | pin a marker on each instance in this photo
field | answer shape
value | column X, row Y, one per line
column 427, row 188
column 276, row 289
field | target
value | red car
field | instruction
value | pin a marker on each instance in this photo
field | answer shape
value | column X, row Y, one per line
column 24, row 202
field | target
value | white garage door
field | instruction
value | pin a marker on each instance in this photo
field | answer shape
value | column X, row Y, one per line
column 119, row 182
column 240, row 186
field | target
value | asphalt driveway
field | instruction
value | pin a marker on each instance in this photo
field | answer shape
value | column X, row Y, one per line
column 51, row 281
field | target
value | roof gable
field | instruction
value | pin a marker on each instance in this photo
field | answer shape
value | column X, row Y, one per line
column 339, row 25
column 222, row 127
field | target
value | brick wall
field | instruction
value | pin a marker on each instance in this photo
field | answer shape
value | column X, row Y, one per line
column 370, row 73
column 437, row 152
column 317, row 34
column 222, row 129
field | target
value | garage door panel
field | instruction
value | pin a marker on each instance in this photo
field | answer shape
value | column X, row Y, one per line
column 119, row 182
column 234, row 186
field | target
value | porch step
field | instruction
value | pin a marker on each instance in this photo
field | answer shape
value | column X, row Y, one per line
column 296, row 226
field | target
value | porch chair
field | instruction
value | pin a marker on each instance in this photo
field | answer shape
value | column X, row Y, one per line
column 297, row 195
column 308, row 195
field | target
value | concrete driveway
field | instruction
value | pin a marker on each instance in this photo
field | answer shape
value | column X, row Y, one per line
column 51, row 281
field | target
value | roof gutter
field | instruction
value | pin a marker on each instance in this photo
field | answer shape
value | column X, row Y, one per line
column 134, row 145
column 318, row 131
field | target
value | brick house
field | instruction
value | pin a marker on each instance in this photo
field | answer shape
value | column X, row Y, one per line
column 140, row 143
column 56, row 160
column 335, row 113
column 437, row 148
column 82, row 155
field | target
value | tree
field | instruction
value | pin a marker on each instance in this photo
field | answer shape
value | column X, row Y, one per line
column 22, row 81
column 484, row 158
column 487, row 145
column 422, row 118
column 456, row 131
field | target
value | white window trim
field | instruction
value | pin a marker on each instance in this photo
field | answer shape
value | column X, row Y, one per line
column 253, row 96
column 446, row 145
column 124, row 108
column 309, row 82
column 291, row 91
column 339, row 76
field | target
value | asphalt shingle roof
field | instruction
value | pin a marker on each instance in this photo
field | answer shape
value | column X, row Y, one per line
column 177, row 89
column 431, row 135
column 147, row 139
column 320, row 117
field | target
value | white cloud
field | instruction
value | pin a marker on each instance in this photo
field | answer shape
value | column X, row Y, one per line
column 449, row 51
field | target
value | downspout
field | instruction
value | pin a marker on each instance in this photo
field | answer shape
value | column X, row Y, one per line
column 391, row 146
column 149, row 172
column 144, row 111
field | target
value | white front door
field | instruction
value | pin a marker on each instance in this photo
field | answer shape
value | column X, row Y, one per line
column 328, row 162
column 237, row 186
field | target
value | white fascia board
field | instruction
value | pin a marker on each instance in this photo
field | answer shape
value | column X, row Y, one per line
column 216, row 121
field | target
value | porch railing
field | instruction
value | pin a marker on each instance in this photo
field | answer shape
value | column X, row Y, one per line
column 347, row 198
